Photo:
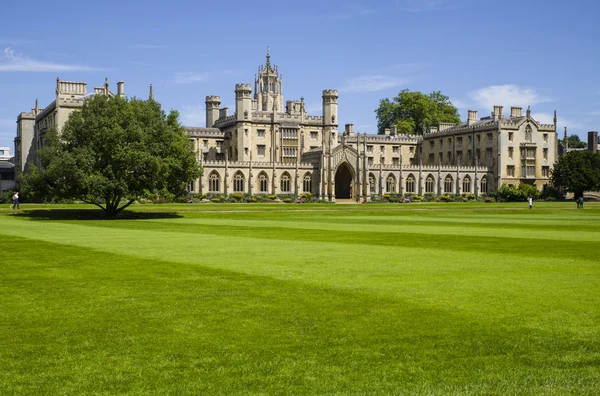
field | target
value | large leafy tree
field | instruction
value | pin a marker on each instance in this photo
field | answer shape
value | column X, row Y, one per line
column 577, row 171
column 411, row 112
column 574, row 142
column 112, row 152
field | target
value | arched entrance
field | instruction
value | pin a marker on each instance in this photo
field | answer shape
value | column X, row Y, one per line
column 343, row 182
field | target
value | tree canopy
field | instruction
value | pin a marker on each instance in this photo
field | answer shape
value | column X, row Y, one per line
column 574, row 142
column 411, row 112
column 112, row 152
column 577, row 171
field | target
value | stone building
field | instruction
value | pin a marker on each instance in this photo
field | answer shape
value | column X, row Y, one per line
column 264, row 149
column 32, row 126
column 268, row 145
column 516, row 149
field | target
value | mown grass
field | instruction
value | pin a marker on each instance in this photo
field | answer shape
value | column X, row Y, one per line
column 301, row 299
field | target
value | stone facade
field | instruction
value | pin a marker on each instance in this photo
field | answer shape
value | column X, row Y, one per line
column 260, row 149
column 516, row 149
column 32, row 127
column 271, row 146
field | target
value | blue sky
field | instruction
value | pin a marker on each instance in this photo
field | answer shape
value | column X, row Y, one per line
column 478, row 52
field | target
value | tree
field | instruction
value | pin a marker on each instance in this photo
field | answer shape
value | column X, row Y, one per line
column 411, row 112
column 574, row 142
column 577, row 171
column 112, row 152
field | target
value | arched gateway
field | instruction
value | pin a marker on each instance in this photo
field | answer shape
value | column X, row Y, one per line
column 344, row 183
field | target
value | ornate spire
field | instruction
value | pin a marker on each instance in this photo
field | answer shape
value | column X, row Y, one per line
column 151, row 95
column 566, row 141
column 269, row 58
column 555, row 119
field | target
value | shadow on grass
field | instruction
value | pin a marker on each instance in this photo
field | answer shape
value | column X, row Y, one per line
column 91, row 214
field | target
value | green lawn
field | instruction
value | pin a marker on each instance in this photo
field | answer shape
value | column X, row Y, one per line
column 301, row 299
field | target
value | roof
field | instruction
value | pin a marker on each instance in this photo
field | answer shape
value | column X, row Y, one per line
column 6, row 165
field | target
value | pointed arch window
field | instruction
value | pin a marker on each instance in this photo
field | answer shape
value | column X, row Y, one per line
column 483, row 189
column 528, row 134
column 429, row 185
column 263, row 183
column 410, row 184
column 466, row 185
column 238, row 182
column 285, row 183
column 307, row 183
column 390, row 184
column 448, row 184
column 214, row 182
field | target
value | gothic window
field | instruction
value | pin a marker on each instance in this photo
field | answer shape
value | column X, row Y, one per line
column 263, row 183
column 260, row 150
column 390, row 184
column 448, row 182
column 429, row 185
column 213, row 182
column 483, row 188
column 410, row 184
column 466, row 185
column 307, row 185
column 285, row 183
column 238, row 182
column 528, row 134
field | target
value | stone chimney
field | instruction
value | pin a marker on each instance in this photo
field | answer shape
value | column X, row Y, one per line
column 387, row 131
column 593, row 141
column 516, row 112
column 121, row 89
column 349, row 129
column 497, row 114
column 472, row 117
column 394, row 130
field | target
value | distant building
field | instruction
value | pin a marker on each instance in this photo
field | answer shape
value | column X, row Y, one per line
column 592, row 144
column 7, row 171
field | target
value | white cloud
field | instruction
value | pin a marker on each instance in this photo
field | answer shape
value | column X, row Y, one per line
column 459, row 104
column 373, row 83
column 11, row 61
column 193, row 115
column 507, row 95
column 190, row 78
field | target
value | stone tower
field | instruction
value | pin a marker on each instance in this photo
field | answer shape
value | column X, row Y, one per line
column 212, row 110
column 268, row 86
column 330, row 116
column 243, row 110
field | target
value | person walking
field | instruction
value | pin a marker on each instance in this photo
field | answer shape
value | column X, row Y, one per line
column 530, row 202
column 15, row 200
column 580, row 202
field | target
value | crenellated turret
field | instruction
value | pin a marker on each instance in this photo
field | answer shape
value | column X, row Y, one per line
column 243, row 102
column 212, row 110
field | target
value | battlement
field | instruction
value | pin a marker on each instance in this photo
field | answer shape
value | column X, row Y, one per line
column 213, row 99
column 330, row 92
column 262, row 165
column 71, row 87
column 243, row 87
